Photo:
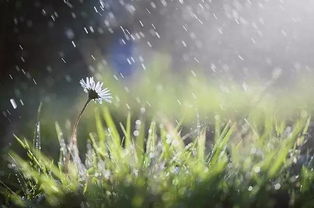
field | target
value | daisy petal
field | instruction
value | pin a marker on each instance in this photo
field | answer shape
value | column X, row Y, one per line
column 95, row 91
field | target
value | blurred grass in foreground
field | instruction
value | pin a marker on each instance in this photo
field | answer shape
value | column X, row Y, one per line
column 175, row 141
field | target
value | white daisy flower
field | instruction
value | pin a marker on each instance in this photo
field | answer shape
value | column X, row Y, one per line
column 95, row 91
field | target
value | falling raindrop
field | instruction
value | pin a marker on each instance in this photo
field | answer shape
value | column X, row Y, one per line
column 13, row 103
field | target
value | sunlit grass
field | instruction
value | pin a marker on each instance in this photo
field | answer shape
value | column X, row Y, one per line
column 233, row 163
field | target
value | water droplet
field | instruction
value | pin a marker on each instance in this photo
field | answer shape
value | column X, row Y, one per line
column 138, row 122
column 13, row 103
column 277, row 186
column 250, row 188
column 136, row 133
column 73, row 43
column 257, row 169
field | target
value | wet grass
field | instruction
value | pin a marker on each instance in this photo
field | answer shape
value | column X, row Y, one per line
column 245, row 163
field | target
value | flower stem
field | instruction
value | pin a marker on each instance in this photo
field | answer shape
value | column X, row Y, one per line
column 74, row 131
column 73, row 149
